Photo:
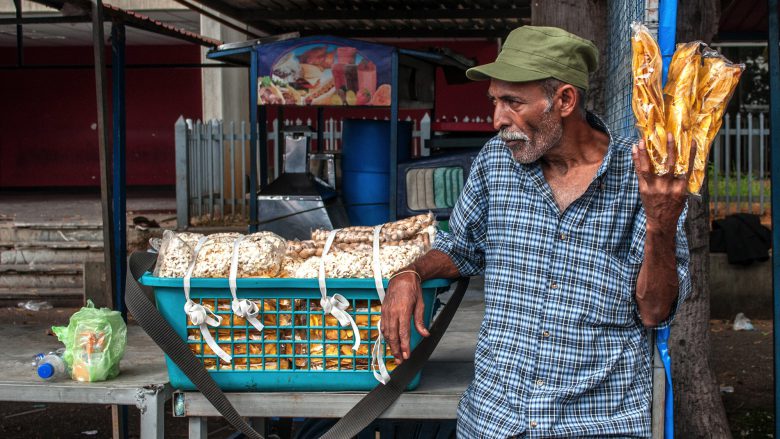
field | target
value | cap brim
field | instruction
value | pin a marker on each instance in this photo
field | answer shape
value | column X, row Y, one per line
column 504, row 72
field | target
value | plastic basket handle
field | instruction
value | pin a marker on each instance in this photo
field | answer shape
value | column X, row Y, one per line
column 378, row 400
column 150, row 320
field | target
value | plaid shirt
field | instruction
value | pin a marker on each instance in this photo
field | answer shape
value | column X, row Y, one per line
column 561, row 351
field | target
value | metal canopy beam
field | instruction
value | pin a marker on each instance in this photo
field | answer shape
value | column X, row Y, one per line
column 56, row 19
column 236, row 14
column 386, row 14
column 134, row 20
column 409, row 33
column 216, row 18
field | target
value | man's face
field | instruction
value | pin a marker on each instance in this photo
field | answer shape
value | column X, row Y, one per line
column 525, row 119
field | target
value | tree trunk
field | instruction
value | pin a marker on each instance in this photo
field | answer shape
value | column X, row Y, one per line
column 699, row 411
column 584, row 18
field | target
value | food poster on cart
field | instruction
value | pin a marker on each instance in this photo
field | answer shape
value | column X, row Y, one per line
column 324, row 71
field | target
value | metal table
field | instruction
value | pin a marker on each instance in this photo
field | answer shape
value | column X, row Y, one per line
column 143, row 381
column 445, row 377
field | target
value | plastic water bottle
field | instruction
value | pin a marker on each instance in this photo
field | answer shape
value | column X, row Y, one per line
column 50, row 366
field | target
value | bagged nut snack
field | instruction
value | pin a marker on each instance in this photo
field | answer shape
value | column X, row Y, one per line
column 213, row 260
column 260, row 255
column 400, row 230
column 176, row 251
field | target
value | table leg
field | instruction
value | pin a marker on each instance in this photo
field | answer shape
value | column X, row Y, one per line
column 198, row 427
column 151, row 404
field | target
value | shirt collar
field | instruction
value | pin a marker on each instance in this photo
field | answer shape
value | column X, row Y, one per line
column 599, row 124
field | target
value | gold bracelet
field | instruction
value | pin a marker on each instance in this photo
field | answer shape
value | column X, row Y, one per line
column 406, row 271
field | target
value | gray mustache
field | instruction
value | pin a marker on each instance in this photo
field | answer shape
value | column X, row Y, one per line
column 509, row 136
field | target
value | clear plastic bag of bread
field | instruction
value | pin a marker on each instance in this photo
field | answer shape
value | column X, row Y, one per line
column 679, row 101
column 647, row 100
column 717, row 80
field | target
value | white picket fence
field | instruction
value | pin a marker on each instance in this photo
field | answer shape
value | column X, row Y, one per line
column 739, row 166
column 212, row 161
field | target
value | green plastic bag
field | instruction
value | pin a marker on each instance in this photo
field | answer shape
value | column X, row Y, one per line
column 95, row 341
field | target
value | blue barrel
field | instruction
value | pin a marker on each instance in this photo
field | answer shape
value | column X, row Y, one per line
column 365, row 168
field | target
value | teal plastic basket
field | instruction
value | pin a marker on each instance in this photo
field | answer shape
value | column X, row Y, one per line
column 299, row 348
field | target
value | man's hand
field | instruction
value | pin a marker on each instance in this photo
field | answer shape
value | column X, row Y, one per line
column 663, row 196
column 403, row 297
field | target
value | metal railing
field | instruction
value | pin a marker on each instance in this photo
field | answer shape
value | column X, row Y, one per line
column 739, row 166
column 212, row 163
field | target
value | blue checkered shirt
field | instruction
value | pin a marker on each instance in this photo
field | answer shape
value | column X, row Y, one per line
column 561, row 351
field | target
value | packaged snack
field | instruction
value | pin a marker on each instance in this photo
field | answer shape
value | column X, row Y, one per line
column 679, row 99
column 717, row 80
column 647, row 101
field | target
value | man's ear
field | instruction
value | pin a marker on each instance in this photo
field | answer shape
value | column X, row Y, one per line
column 568, row 96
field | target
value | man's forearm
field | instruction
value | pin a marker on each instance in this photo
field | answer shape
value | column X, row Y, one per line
column 657, row 285
column 434, row 264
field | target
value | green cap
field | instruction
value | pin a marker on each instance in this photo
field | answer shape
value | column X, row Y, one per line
column 531, row 53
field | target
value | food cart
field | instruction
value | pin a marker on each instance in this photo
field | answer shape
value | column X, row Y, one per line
column 321, row 72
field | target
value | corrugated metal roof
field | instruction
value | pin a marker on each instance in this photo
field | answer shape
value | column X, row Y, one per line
column 380, row 18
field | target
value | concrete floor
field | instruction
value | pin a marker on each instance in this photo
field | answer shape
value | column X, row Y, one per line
column 79, row 207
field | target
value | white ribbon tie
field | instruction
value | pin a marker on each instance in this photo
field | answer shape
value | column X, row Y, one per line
column 337, row 304
column 242, row 307
column 199, row 314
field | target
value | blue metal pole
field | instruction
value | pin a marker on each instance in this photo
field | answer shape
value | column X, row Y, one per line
column 119, row 198
column 119, row 193
column 253, row 142
column 393, row 134
column 774, row 139
column 667, row 29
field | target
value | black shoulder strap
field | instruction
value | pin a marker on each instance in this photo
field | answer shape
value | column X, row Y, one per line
column 361, row 415
column 378, row 400
column 149, row 318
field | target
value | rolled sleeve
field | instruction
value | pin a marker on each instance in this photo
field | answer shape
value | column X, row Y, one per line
column 465, row 244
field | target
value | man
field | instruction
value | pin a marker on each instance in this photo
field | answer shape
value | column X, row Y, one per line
column 581, row 245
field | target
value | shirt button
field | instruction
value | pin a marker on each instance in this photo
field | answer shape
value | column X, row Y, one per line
column 563, row 237
column 540, row 383
column 554, row 286
column 534, row 424
column 545, row 334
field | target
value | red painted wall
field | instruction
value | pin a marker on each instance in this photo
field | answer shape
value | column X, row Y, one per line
column 48, row 135
column 46, row 128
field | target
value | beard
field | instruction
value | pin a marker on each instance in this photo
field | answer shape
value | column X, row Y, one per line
column 526, row 149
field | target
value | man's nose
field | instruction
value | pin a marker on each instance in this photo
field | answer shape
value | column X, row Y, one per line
column 500, row 119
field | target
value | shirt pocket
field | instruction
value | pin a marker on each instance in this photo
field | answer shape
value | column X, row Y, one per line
column 609, row 300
